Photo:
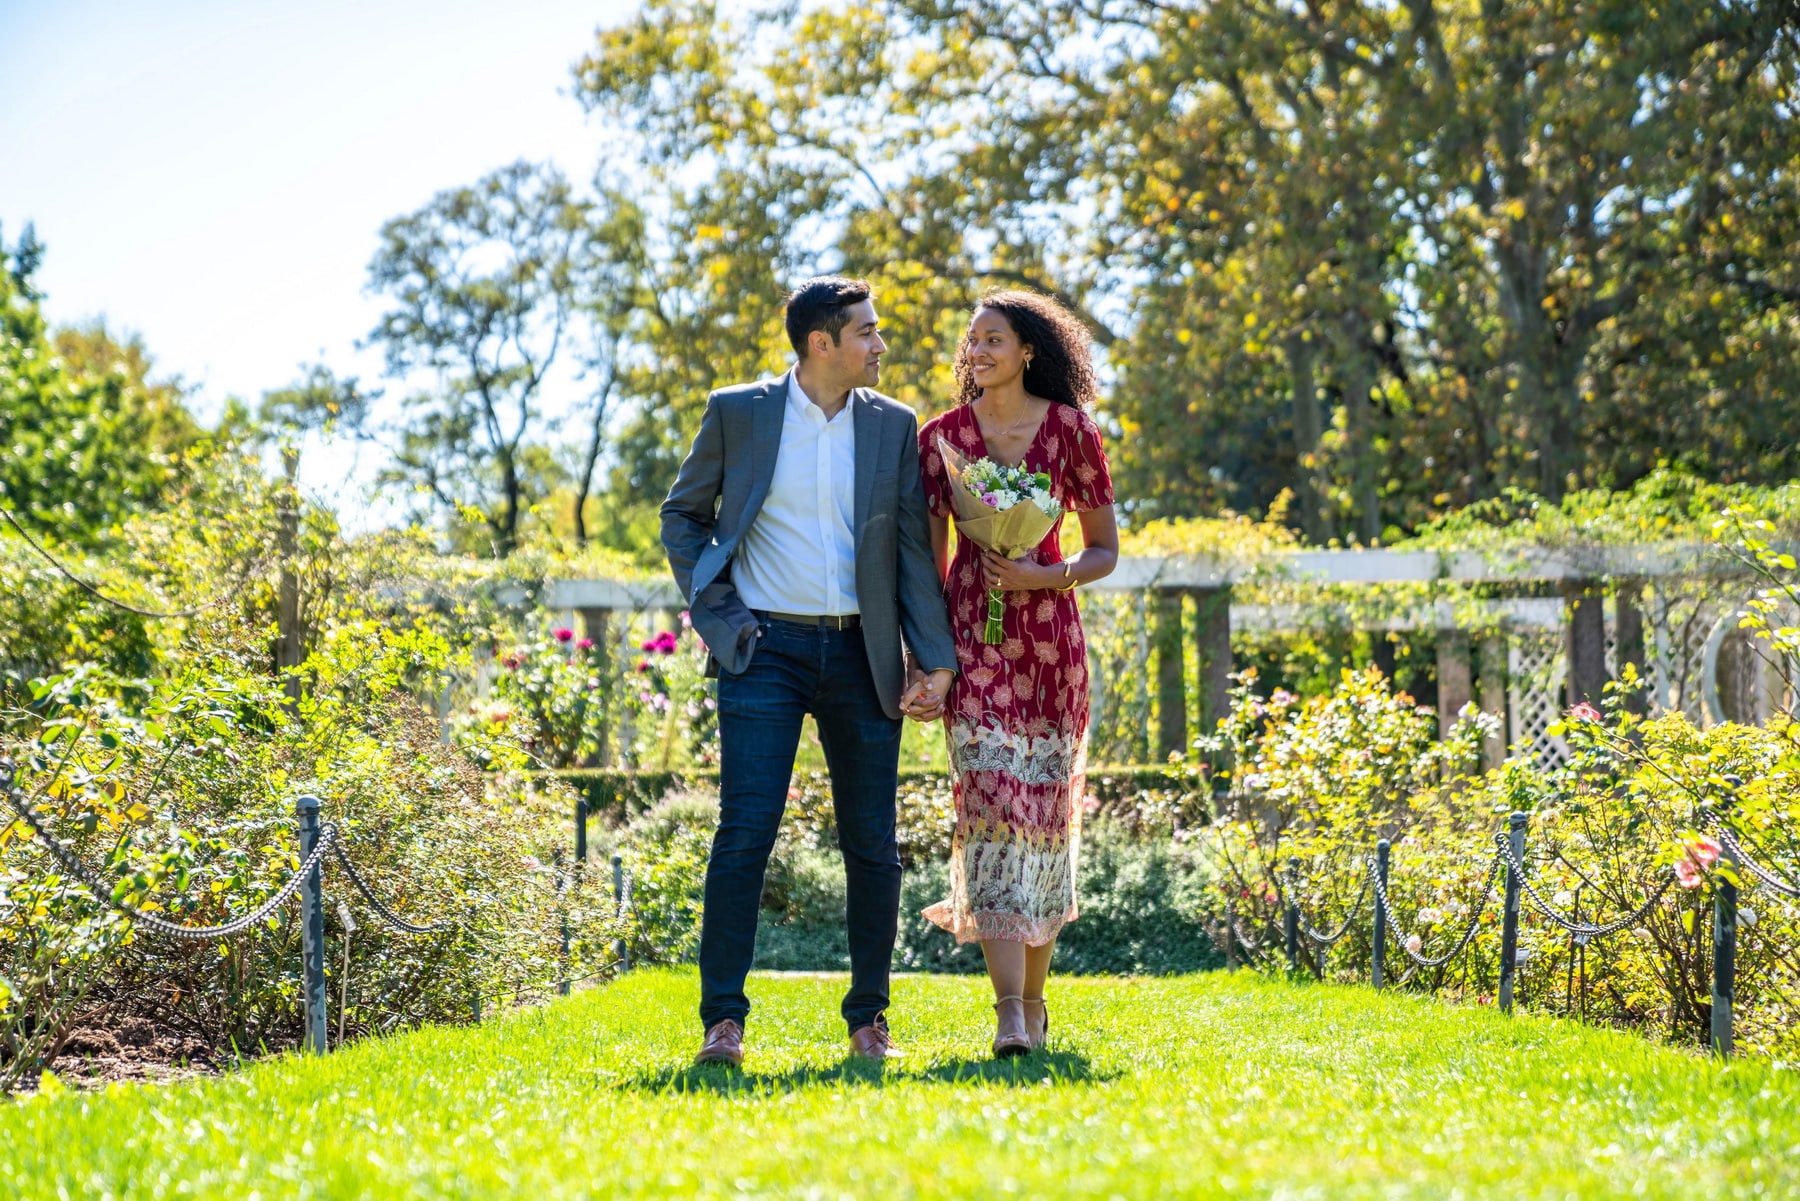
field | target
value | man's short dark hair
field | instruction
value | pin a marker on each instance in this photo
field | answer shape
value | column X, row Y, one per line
column 822, row 303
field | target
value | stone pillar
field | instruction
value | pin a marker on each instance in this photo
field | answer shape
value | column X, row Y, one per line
column 1213, row 615
column 1171, row 682
column 597, row 624
column 1454, row 678
column 1738, row 679
column 1493, row 696
column 1628, row 636
column 1584, row 640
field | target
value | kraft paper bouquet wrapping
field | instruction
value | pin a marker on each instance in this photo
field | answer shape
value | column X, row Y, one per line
column 1007, row 510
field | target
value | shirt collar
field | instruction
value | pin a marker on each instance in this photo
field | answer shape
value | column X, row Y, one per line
column 802, row 406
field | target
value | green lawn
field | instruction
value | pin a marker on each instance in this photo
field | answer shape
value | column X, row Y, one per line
column 1193, row 1086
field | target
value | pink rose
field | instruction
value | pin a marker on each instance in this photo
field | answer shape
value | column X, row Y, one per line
column 1585, row 712
column 687, row 623
column 1414, row 943
column 563, row 635
column 586, row 644
column 1698, row 854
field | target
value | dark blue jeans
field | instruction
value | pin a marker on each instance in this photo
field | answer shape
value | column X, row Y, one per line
column 799, row 670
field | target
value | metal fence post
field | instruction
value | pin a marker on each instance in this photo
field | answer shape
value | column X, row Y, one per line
column 620, row 948
column 1231, row 941
column 562, row 892
column 1724, row 987
column 312, row 928
column 581, row 819
column 1509, row 930
column 1379, row 959
column 1293, row 916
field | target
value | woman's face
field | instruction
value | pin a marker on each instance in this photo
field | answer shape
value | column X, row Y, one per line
column 996, row 355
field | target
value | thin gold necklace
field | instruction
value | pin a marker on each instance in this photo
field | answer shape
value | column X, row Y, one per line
column 1016, row 426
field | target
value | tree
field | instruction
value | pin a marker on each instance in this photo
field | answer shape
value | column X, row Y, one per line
column 90, row 437
column 1389, row 258
column 483, row 284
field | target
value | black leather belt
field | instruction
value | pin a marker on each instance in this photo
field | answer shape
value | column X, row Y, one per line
column 846, row 621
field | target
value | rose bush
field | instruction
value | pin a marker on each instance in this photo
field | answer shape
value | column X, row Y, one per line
column 1632, row 816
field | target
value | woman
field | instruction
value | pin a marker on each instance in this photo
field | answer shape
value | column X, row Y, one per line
column 1017, row 712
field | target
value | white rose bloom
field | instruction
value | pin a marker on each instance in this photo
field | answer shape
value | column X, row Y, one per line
column 1746, row 916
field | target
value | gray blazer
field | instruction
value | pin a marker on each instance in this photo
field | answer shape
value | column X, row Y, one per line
column 720, row 490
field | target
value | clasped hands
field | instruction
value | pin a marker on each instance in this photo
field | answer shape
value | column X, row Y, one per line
column 926, row 693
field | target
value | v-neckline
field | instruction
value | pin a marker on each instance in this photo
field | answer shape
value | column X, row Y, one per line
column 1029, row 446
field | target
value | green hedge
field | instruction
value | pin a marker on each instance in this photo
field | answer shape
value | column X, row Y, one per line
column 1153, row 795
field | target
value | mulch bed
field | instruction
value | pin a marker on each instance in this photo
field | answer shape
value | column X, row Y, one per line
column 132, row 1049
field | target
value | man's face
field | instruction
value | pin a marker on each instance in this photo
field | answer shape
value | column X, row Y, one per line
column 856, row 359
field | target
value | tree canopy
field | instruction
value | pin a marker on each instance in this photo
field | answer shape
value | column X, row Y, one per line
column 1389, row 259
column 87, row 436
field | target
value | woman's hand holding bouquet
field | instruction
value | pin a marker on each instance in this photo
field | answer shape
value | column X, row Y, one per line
column 1004, row 510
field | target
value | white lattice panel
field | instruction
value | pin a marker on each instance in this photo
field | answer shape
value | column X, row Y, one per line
column 1679, row 620
column 1535, row 670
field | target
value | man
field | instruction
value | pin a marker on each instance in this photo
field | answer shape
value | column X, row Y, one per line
column 797, row 531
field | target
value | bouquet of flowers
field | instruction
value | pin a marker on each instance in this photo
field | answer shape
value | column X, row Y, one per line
column 1007, row 510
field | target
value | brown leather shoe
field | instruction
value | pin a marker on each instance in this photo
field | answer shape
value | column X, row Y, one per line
column 724, row 1044
column 874, row 1043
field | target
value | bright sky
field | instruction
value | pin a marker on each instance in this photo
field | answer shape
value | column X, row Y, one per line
column 211, row 174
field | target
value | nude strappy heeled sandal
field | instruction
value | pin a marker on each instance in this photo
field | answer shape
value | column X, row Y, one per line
column 1011, row 1044
column 1039, row 1043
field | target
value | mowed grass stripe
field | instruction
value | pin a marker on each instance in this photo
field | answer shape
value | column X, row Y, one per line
column 1201, row 1086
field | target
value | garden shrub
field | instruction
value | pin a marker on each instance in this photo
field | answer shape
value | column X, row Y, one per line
column 180, row 791
column 1318, row 782
column 1150, row 799
column 1142, row 899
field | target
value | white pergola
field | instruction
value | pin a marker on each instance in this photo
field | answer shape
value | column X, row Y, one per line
column 1594, row 645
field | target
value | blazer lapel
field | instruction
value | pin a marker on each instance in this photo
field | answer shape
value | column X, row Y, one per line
column 767, row 412
column 867, row 415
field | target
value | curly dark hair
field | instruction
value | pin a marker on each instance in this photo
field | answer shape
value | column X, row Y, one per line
column 1061, row 368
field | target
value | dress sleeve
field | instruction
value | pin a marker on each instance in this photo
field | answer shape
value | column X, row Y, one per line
column 1085, row 482
column 931, row 466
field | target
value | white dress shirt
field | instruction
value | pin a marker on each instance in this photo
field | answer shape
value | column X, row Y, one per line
column 799, row 555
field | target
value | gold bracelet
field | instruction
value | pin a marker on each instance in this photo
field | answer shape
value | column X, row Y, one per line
column 1072, row 580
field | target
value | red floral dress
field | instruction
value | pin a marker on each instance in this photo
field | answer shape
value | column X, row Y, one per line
column 1018, row 712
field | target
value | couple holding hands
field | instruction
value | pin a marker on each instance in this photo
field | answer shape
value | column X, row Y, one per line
column 809, row 528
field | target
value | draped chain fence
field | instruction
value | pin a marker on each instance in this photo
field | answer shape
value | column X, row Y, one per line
column 1508, row 863
column 318, row 842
